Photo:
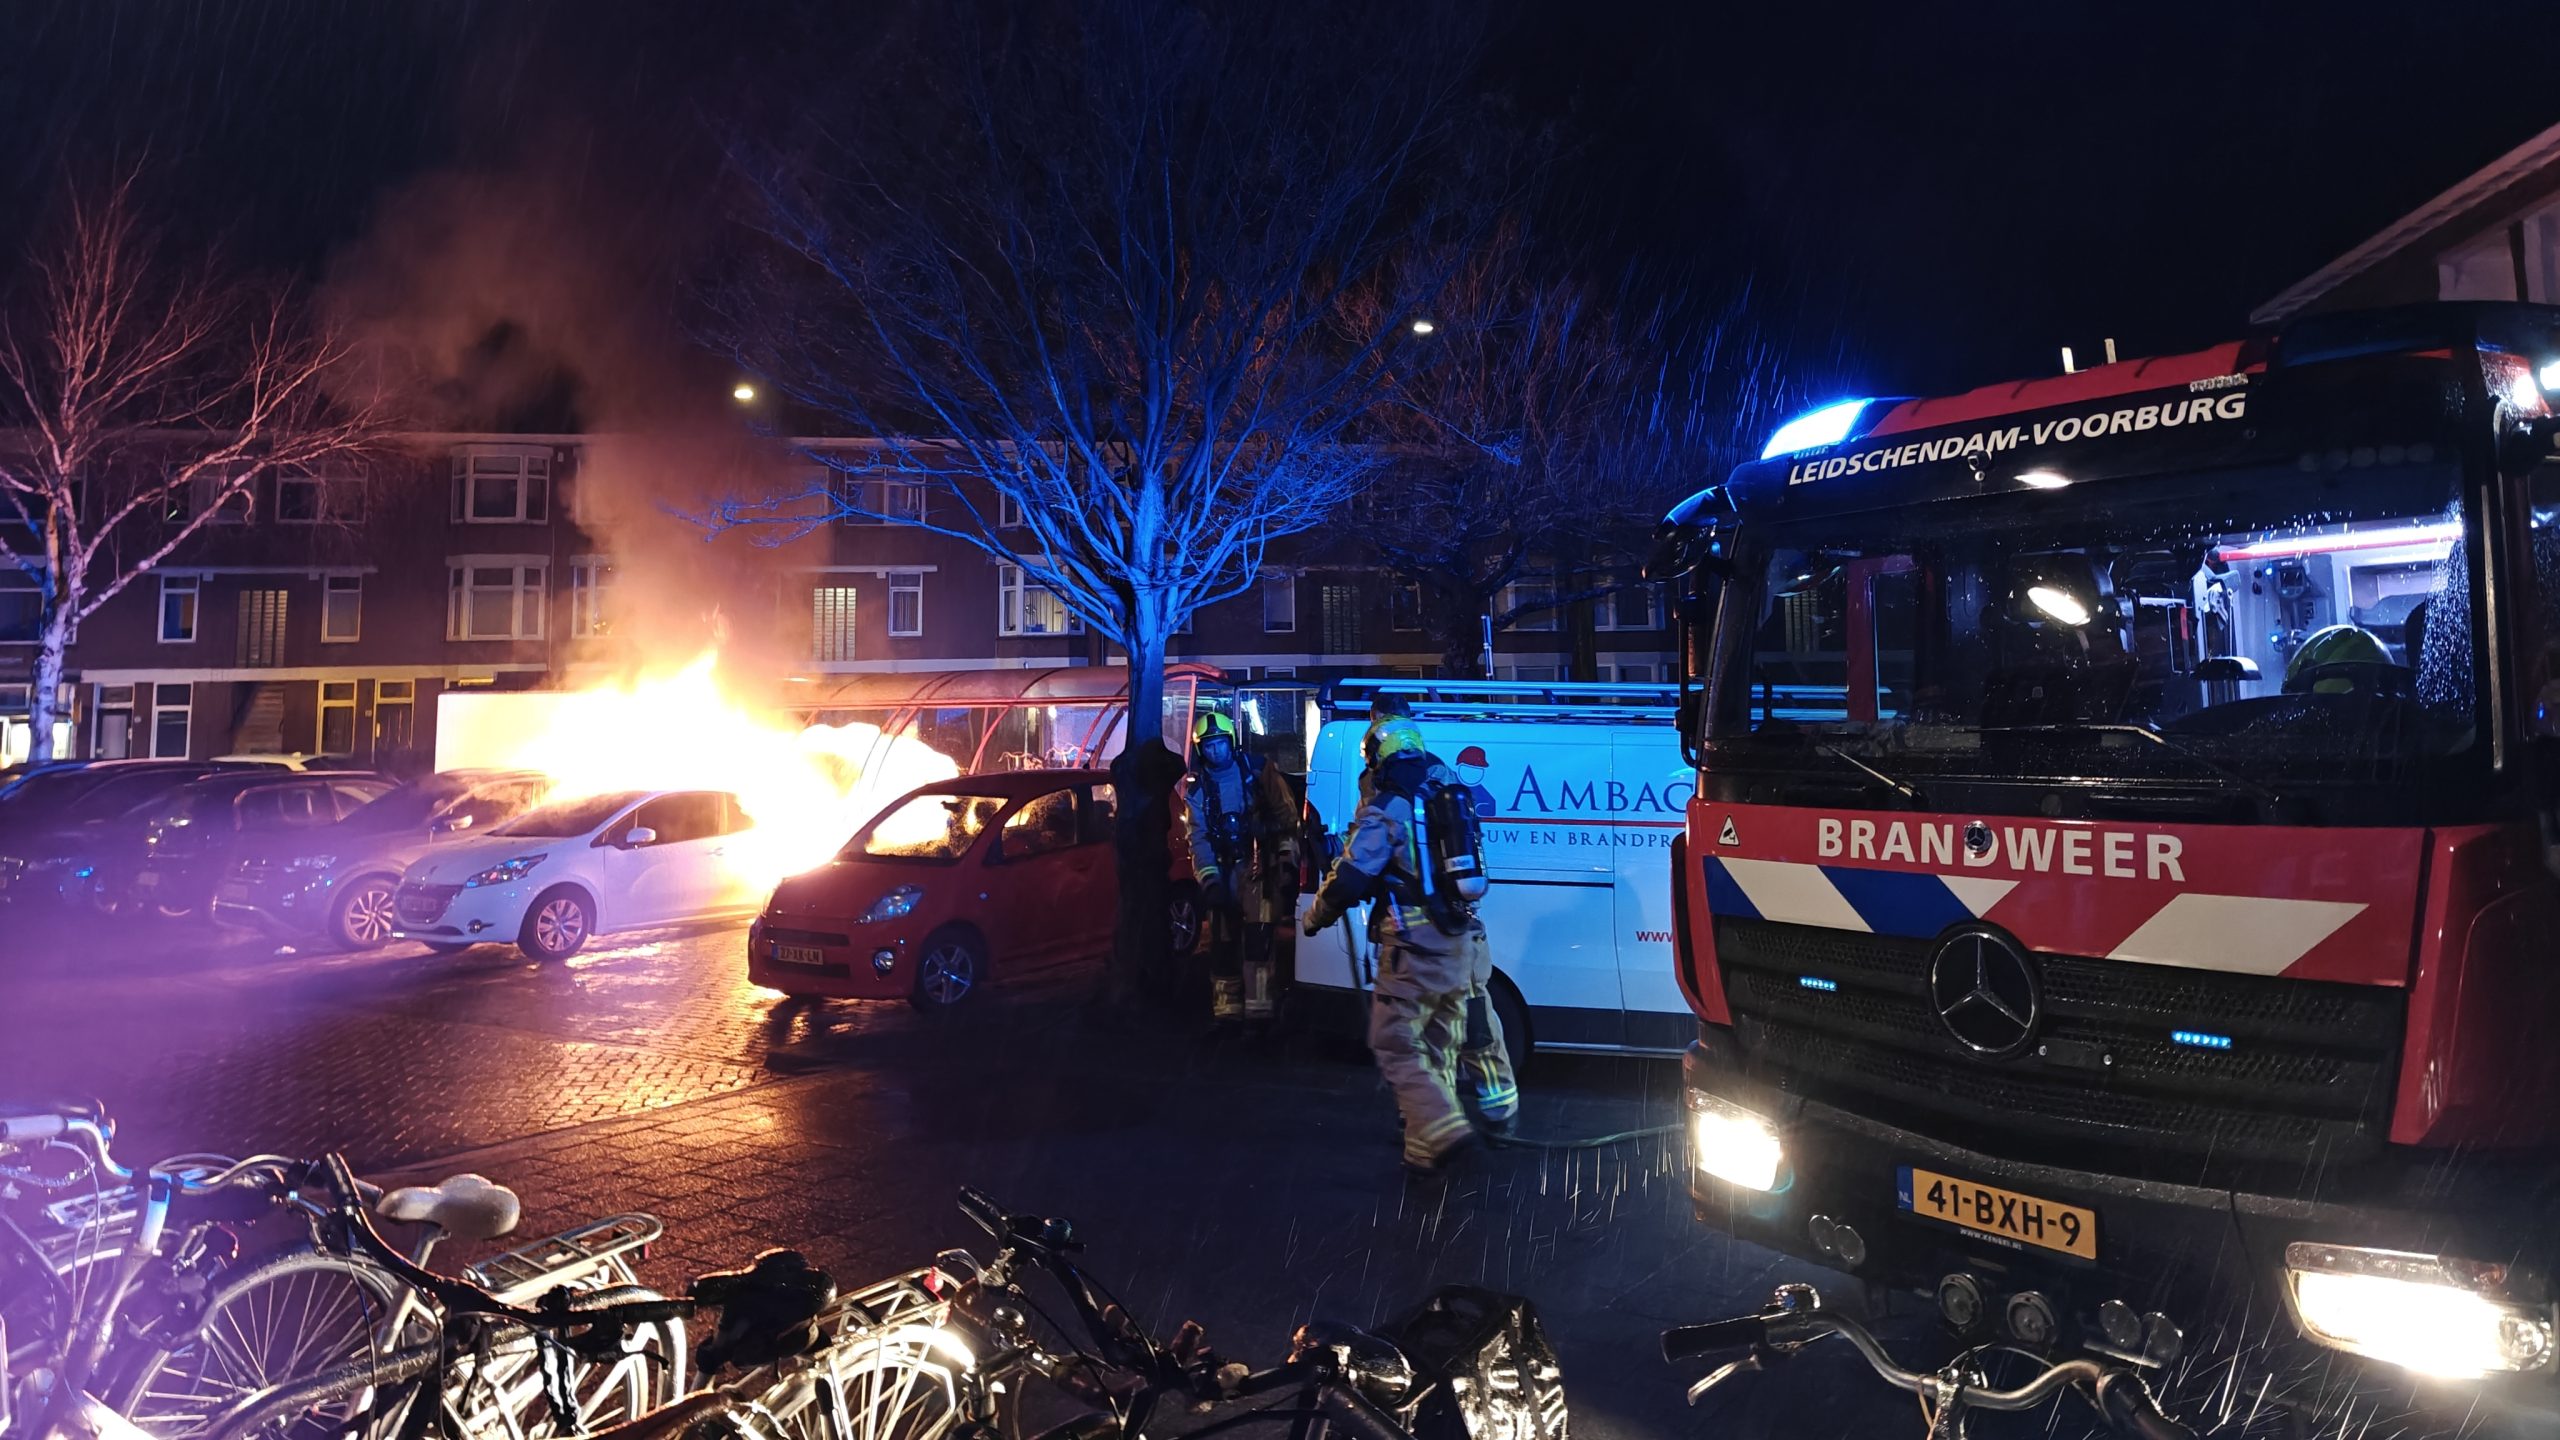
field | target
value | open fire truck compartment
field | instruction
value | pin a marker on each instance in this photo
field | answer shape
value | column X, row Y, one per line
column 2122, row 845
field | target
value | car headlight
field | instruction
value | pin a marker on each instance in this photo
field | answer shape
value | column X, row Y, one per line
column 318, row 862
column 1733, row 1144
column 506, row 871
column 894, row 904
column 2436, row 1316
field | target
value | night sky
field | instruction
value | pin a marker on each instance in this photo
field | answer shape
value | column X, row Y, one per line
column 1919, row 202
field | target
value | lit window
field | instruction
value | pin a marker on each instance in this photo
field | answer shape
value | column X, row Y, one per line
column 341, row 608
column 494, row 601
column 501, row 484
column 881, row 502
column 178, row 596
column 591, row 582
column 831, row 625
column 1024, row 607
column 1279, row 604
column 906, row 602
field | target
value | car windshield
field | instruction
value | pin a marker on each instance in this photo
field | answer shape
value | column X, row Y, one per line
column 409, row 807
column 936, row 826
column 562, row 819
column 2295, row 626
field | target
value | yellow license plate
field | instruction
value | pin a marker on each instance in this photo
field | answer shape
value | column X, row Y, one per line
column 799, row 955
column 2000, row 1215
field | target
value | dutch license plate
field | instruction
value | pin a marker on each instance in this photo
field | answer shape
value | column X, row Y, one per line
column 232, row 893
column 147, row 880
column 799, row 955
column 2000, row 1215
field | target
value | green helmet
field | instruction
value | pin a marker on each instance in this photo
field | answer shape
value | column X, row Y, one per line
column 2333, row 645
column 1214, row 723
column 1395, row 736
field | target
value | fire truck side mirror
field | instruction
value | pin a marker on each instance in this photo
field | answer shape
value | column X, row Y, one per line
column 2228, row 667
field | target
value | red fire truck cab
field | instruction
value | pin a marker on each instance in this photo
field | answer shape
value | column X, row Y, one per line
column 2122, row 854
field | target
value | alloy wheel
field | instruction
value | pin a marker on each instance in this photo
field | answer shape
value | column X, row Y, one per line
column 369, row 916
column 561, row 924
column 948, row 973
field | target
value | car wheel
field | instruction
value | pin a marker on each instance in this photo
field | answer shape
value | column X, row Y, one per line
column 363, row 917
column 951, row 968
column 1514, row 1015
column 558, row 925
column 1184, row 913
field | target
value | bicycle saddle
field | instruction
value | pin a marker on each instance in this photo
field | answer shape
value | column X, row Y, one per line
column 466, row 1207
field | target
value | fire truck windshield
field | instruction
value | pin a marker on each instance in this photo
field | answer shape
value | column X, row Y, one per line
column 2298, row 628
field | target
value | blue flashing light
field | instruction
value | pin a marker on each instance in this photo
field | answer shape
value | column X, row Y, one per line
column 1816, row 982
column 2201, row 1039
column 1827, row 426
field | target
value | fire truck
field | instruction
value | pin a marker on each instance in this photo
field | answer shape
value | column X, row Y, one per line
column 2123, row 853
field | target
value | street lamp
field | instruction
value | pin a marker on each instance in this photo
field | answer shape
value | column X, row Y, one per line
column 1423, row 327
column 743, row 392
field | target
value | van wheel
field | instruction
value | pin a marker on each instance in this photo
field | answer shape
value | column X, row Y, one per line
column 558, row 925
column 1514, row 1015
column 951, row 968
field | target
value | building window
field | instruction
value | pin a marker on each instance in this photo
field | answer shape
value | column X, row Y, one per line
column 1024, row 607
column 318, row 500
column 341, row 608
column 591, row 583
column 227, row 497
column 494, row 602
column 1631, row 608
column 1530, row 674
column 115, row 723
column 1405, row 610
column 178, row 596
column 21, row 612
column 261, row 627
column 172, row 720
column 501, row 485
column 882, row 501
column 393, row 720
column 337, row 717
column 1279, row 672
column 1627, row 672
column 831, row 632
column 1535, row 600
column 1341, row 619
column 1279, row 604
column 1009, row 511
column 906, row 602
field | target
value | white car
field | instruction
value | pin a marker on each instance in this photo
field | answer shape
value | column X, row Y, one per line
column 562, row 872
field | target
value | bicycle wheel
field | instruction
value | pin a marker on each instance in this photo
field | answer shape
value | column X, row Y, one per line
column 891, row 1368
column 498, row 1391
column 282, row 1319
column 43, row 1287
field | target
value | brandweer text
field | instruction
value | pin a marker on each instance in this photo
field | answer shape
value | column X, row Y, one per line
column 2027, row 847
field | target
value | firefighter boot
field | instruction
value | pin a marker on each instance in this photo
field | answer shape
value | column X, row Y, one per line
column 1226, row 1000
column 1485, row 1060
column 1258, row 1007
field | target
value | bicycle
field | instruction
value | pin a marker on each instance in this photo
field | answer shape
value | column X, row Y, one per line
column 1795, row 1319
column 180, row 1326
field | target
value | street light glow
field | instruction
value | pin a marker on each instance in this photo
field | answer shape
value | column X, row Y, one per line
column 1423, row 327
column 743, row 393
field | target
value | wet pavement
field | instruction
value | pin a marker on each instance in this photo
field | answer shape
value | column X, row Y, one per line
column 1248, row 1185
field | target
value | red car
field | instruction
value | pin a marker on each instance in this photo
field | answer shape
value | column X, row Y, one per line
column 1007, row 871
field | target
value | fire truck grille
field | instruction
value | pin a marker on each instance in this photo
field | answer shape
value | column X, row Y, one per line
column 421, row 904
column 2308, row 1070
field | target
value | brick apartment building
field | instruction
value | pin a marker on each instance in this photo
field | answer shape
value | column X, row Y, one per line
column 326, row 614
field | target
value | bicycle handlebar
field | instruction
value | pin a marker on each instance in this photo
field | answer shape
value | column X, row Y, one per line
column 27, row 1129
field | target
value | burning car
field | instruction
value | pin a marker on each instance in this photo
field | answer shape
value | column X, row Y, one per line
column 1014, row 868
column 564, row 872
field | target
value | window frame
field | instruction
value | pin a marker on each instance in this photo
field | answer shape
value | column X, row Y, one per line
column 335, row 585
column 254, row 622
column 1014, row 588
column 824, row 621
column 1283, row 588
column 184, row 708
column 908, row 583
column 193, row 587
column 591, row 582
column 1604, row 615
column 857, row 488
column 532, row 477
column 460, row 586
column 1544, row 620
column 327, row 703
column 325, row 510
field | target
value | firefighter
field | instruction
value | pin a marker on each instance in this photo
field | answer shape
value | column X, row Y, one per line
column 2353, row 659
column 1430, row 1014
column 1242, row 824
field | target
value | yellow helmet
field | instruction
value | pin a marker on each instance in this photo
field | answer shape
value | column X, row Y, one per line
column 1396, row 736
column 1212, row 722
column 2333, row 645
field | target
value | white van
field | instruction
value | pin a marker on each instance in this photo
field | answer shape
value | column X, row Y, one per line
column 1582, row 790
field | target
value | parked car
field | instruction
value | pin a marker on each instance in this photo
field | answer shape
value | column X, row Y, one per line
column 947, row 885
column 188, row 841
column 335, row 883
column 58, row 824
column 571, row 869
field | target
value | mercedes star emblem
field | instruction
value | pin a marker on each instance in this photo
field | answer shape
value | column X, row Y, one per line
column 1985, row 992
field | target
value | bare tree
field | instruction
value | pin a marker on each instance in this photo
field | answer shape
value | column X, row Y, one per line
column 1541, row 434
column 1104, row 290
column 139, row 396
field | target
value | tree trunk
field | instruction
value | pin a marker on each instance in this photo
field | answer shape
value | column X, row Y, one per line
column 53, row 640
column 1143, row 775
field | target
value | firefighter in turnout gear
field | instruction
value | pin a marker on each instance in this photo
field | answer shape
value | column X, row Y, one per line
column 1430, row 1014
column 1242, row 826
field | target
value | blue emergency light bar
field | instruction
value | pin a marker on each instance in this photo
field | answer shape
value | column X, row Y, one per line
column 2201, row 1039
column 1811, row 431
column 1816, row 982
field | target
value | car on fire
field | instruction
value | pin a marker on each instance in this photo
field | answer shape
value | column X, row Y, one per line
column 568, row 870
column 1014, row 869
column 335, row 884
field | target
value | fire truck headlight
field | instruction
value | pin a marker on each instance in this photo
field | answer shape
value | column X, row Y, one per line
column 2432, row 1315
column 1733, row 1144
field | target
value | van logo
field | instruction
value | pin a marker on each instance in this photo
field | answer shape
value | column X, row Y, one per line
column 1728, row 835
column 1985, row 991
column 1977, row 838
